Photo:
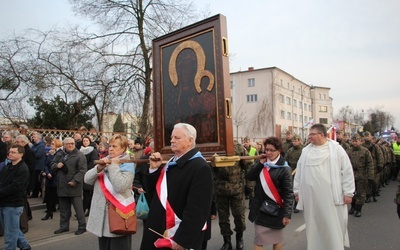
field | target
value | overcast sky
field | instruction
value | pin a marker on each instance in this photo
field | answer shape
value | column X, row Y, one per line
column 350, row 46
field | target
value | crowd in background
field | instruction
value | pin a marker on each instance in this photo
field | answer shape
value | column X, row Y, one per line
column 375, row 163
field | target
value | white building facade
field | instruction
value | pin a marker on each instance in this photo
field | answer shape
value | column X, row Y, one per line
column 269, row 102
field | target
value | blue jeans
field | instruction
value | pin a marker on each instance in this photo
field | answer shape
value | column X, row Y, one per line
column 13, row 237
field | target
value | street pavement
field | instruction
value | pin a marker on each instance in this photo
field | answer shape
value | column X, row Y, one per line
column 378, row 228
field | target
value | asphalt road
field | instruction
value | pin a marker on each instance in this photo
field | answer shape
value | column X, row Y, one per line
column 378, row 228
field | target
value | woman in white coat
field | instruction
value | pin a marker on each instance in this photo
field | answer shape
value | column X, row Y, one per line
column 118, row 179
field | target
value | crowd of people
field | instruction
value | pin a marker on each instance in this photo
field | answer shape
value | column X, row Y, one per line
column 319, row 178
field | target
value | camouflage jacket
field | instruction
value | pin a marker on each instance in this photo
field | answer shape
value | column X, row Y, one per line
column 361, row 160
column 376, row 155
column 292, row 156
column 231, row 180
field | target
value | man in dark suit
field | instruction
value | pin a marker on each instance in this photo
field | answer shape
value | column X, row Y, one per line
column 183, row 190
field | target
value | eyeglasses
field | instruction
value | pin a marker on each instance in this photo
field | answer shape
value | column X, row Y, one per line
column 270, row 150
column 70, row 143
column 312, row 134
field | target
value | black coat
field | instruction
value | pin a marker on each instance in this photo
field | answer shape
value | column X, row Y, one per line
column 282, row 179
column 3, row 151
column 14, row 180
column 90, row 158
column 190, row 191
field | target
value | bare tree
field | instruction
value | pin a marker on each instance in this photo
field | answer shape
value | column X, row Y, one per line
column 127, row 30
column 17, row 78
column 261, row 124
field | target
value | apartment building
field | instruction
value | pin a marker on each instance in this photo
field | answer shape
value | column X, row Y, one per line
column 270, row 101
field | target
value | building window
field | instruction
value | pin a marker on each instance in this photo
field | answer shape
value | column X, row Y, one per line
column 294, row 117
column 323, row 120
column 231, row 84
column 288, row 101
column 289, row 116
column 281, row 83
column 305, row 106
column 251, row 82
column 300, row 118
column 309, row 107
column 324, row 96
column 300, row 105
column 282, row 114
column 305, row 119
column 251, row 98
column 281, row 98
column 294, row 103
column 323, row 108
column 320, row 96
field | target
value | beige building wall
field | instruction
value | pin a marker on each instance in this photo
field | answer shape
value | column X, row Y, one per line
column 129, row 120
column 270, row 101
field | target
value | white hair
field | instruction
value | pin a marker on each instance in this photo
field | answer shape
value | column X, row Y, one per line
column 68, row 139
column 23, row 138
column 189, row 130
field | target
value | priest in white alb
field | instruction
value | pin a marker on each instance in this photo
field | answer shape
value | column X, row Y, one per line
column 323, row 186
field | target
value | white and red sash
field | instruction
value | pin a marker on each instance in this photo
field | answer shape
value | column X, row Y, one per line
column 126, row 207
column 269, row 187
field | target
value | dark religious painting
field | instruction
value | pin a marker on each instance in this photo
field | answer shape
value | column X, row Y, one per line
column 191, row 85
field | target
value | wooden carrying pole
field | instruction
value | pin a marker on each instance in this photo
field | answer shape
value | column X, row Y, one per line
column 216, row 160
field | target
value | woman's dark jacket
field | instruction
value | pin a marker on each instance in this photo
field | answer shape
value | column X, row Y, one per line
column 282, row 180
column 90, row 158
column 47, row 169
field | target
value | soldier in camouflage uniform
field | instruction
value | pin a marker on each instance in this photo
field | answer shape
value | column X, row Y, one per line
column 229, row 192
column 288, row 143
column 249, row 186
column 340, row 139
column 361, row 160
column 378, row 164
column 292, row 157
column 397, row 199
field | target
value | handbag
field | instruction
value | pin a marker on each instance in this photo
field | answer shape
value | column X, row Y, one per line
column 270, row 208
column 142, row 208
column 120, row 223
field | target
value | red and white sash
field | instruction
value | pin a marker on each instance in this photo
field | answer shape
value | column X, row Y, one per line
column 172, row 220
column 269, row 187
column 124, row 206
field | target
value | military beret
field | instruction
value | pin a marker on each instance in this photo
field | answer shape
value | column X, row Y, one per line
column 367, row 133
column 356, row 137
column 296, row 137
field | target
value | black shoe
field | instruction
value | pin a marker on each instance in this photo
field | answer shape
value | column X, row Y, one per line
column 296, row 210
column 61, row 230
column 48, row 216
column 368, row 200
column 80, row 231
column 352, row 210
column 28, row 248
column 87, row 213
column 375, row 199
column 357, row 214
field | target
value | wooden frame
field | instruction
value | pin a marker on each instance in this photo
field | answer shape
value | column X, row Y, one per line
column 191, row 84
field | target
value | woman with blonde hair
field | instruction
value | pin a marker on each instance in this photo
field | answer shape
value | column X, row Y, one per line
column 112, row 182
